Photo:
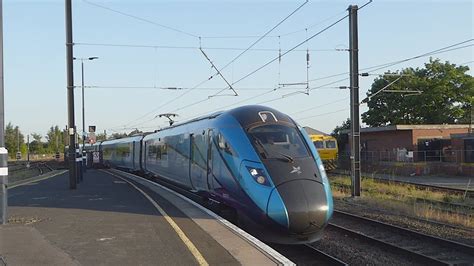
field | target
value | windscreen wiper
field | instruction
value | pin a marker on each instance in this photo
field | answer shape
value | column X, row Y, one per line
column 261, row 148
column 290, row 159
column 265, row 152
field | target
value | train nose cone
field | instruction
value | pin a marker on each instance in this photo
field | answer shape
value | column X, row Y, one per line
column 306, row 205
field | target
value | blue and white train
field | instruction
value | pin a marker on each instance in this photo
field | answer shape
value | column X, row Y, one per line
column 254, row 160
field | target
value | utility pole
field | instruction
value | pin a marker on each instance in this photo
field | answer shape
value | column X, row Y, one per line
column 471, row 121
column 3, row 150
column 28, row 151
column 17, row 139
column 83, row 155
column 354, row 77
column 70, row 97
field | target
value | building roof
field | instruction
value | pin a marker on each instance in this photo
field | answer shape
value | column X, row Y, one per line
column 408, row 127
column 312, row 131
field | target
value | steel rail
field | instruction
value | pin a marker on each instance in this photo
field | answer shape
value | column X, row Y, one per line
column 430, row 248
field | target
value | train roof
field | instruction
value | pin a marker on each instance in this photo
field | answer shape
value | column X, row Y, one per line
column 122, row 140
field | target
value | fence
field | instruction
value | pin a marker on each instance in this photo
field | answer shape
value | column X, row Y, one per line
column 447, row 155
column 447, row 162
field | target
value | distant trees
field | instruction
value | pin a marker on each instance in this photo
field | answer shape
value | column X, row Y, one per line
column 36, row 144
column 55, row 140
column 447, row 96
column 14, row 140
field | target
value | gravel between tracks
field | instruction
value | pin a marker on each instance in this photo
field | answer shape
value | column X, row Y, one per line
column 356, row 252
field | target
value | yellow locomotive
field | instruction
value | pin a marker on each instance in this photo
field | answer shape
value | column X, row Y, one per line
column 326, row 146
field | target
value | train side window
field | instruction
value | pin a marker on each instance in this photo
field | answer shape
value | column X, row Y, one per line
column 318, row 144
column 224, row 145
column 330, row 144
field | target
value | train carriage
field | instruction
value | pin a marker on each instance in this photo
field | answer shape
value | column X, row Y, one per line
column 254, row 160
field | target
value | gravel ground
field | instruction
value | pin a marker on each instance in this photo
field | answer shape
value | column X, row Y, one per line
column 18, row 172
column 455, row 233
column 356, row 252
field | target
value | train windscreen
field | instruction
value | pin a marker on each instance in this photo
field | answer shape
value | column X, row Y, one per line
column 277, row 141
column 318, row 144
column 330, row 144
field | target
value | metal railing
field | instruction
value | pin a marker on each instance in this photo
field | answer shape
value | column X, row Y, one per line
column 446, row 155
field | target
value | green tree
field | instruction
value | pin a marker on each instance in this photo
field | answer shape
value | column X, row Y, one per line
column 135, row 132
column 447, row 94
column 55, row 140
column 36, row 145
column 13, row 139
column 118, row 135
column 342, row 139
column 101, row 137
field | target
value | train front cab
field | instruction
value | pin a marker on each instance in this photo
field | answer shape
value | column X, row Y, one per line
column 327, row 149
column 300, row 202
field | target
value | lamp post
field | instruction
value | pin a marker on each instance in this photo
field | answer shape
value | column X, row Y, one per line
column 83, row 108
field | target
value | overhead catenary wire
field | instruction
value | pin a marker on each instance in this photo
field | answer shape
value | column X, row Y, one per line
column 276, row 58
column 448, row 48
column 375, row 68
column 188, row 88
column 142, row 19
column 233, row 60
column 253, row 44
column 156, row 46
column 385, row 65
column 328, row 113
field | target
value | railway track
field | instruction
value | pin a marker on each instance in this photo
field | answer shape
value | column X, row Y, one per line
column 418, row 246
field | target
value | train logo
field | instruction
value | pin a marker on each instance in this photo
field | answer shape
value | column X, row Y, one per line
column 296, row 170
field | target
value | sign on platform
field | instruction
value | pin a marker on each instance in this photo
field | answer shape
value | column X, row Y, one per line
column 95, row 157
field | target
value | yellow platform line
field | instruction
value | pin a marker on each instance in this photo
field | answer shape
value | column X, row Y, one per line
column 192, row 248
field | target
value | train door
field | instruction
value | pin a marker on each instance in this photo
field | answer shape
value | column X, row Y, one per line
column 209, row 159
column 193, row 173
column 198, row 161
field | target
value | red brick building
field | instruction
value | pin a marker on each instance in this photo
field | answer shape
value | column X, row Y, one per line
column 439, row 148
column 418, row 142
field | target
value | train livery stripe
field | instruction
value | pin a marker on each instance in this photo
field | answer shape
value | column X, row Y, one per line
column 192, row 248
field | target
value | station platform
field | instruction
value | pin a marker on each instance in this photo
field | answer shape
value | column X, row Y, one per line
column 114, row 218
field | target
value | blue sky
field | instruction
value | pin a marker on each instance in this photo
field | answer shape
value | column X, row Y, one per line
column 127, row 78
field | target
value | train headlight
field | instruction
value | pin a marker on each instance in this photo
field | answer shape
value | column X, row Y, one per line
column 259, row 176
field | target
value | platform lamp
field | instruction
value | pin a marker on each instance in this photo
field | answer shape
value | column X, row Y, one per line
column 83, row 108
